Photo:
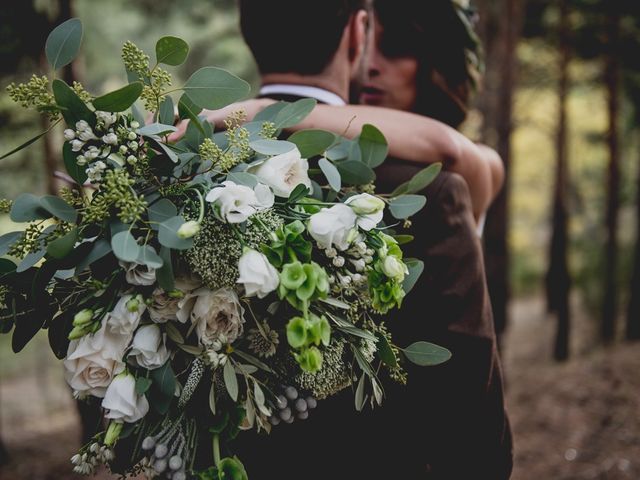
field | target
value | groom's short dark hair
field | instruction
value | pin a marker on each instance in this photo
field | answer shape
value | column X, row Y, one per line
column 299, row 36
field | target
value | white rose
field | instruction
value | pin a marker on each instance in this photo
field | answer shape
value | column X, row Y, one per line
column 93, row 361
column 257, row 275
column 236, row 203
column 165, row 305
column 124, row 318
column 122, row 402
column 333, row 226
column 394, row 268
column 148, row 347
column 216, row 315
column 138, row 274
column 284, row 172
column 368, row 208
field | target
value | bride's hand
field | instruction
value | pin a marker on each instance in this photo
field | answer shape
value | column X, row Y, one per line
column 217, row 117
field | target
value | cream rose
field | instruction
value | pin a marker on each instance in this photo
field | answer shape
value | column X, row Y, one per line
column 165, row 305
column 216, row 315
column 121, row 401
column 284, row 172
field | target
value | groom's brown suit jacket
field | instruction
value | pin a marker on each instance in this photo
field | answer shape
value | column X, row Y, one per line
column 448, row 422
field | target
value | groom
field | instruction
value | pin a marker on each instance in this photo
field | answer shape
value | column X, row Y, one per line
column 449, row 422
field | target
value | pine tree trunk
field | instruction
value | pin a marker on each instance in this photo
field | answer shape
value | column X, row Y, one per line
column 633, row 310
column 610, row 303
column 558, row 280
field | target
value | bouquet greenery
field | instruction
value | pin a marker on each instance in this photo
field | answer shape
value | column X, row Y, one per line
column 200, row 287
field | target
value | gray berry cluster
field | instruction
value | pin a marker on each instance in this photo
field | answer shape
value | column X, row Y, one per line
column 165, row 455
column 290, row 405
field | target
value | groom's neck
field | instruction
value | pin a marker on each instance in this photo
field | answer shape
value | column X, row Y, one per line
column 331, row 81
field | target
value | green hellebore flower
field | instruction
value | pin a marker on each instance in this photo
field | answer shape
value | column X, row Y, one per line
column 232, row 469
column 310, row 359
column 319, row 331
column 297, row 332
column 307, row 289
column 292, row 275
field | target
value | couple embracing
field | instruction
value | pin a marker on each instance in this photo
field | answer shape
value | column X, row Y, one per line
column 404, row 63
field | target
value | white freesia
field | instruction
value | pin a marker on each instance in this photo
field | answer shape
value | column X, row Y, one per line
column 236, row 203
column 369, row 209
column 125, row 316
column 257, row 275
column 121, row 401
column 284, row 172
column 394, row 268
column 215, row 314
column 138, row 274
column 93, row 361
column 148, row 347
column 333, row 226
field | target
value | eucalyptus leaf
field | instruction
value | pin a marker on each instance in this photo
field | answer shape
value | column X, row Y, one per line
column 312, row 142
column 100, row 249
column 164, row 274
column 230, row 380
column 294, row 113
column 75, row 171
column 355, row 173
column 424, row 177
column 166, row 115
column 415, row 267
column 125, row 246
column 30, row 260
column 171, row 51
column 187, row 110
column 27, row 208
column 61, row 247
column 162, row 210
column 59, row 208
column 214, row 88
column 168, row 234
column 74, row 109
column 119, row 100
column 7, row 240
column 331, row 172
column 271, row 147
column 148, row 256
column 156, row 129
column 385, row 352
column 243, row 178
column 373, row 146
column 426, row 354
column 406, row 205
column 269, row 114
column 63, row 43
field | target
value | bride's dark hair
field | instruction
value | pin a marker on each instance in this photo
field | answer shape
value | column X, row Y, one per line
column 439, row 35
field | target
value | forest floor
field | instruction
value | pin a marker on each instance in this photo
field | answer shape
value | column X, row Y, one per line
column 573, row 421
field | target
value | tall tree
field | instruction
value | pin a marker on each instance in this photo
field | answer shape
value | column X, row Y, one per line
column 612, row 80
column 558, row 280
column 500, row 29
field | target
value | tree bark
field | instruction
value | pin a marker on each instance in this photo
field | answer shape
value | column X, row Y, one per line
column 633, row 309
column 612, row 74
column 558, row 280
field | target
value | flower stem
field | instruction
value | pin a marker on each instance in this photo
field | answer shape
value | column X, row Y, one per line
column 216, row 449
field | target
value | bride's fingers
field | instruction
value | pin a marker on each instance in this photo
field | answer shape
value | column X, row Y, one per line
column 179, row 133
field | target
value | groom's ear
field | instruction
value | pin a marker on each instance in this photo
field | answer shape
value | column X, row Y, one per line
column 358, row 30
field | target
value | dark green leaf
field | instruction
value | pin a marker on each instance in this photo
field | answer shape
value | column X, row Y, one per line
column 406, row 205
column 171, row 51
column 416, row 267
column 27, row 326
column 359, row 398
column 63, row 43
column 355, row 173
column 164, row 274
column 297, row 193
column 332, row 174
column 373, row 146
column 119, row 100
column 74, row 170
column 294, row 113
column 100, row 248
column 168, row 234
column 403, row 239
column 142, row 385
column 271, row 147
column 7, row 240
column 187, row 110
column 59, row 329
column 312, row 142
column 27, row 208
column 419, row 181
column 214, row 88
column 59, row 208
column 30, row 260
column 269, row 114
column 6, row 266
column 230, row 380
column 426, row 354
column 74, row 108
column 167, row 114
column 164, row 379
column 125, row 246
column 157, row 129
column 61, row 247
column 385, row 352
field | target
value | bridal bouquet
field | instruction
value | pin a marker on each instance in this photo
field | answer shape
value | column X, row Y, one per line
column 205, row 286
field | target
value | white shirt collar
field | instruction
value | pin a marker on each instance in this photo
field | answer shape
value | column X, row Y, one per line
column 320, row 94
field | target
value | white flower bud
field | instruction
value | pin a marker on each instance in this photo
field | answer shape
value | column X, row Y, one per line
column 338, row 262
column 133, row 146
column 81, row 125
column 110, row 139
column 76, row 145
column 123, row 149
column 81, row 160
column 358, row 264
column 135, row 124
column 187, row 229
column 331, row 252
column 357, row 278
column 345, row 280
column 367, row 259
column 361, row 247
column 370, row 252
column 132, row 136
column 132, row 159
column 87, row 135
column 69, row 134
